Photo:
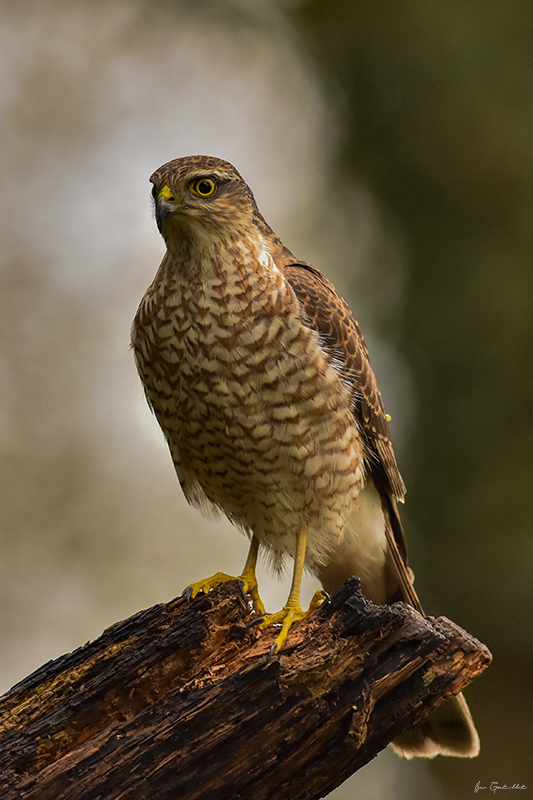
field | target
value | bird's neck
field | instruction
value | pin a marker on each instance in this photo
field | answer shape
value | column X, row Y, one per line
column 198, row 258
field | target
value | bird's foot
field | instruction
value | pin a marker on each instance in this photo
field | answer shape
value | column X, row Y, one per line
column 289, row 614
column 247, row 582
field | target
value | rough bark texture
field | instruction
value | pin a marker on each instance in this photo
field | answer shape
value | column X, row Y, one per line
column 180, row 702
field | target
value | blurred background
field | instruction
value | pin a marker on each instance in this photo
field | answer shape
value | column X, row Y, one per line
column 391, row 145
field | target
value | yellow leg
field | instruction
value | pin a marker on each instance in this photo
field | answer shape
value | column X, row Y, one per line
column 293, row 611
column 247, row 579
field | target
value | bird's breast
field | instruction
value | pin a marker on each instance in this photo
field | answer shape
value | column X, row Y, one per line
column 250, row 403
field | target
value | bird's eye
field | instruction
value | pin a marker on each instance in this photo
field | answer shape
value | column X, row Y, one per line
column 204, row 187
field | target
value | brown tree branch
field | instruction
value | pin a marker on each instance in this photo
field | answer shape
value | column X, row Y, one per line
column 180, row 702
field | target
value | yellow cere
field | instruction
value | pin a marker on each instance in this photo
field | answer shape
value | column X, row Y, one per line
column 167, row 194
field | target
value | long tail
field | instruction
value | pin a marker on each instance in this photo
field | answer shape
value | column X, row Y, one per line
column 450, row 730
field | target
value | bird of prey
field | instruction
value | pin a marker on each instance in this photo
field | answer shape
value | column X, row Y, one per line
column 259, row 377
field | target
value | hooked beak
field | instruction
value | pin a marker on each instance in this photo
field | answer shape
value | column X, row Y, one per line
column 167, row 203
column 163, row 209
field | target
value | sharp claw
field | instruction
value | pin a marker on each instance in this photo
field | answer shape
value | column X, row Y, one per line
column 271, row 653
column 187, row 593
column 241, row 587
column 253, row 623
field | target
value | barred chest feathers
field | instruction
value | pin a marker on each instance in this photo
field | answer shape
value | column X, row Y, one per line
column 256, row 416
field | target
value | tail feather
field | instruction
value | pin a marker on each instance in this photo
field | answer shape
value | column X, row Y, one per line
column 374, row 549
column 450, row 730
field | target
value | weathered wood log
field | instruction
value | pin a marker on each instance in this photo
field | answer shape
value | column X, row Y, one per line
column 181, row 702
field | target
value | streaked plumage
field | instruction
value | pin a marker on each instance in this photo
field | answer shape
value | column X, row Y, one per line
column 260, row 379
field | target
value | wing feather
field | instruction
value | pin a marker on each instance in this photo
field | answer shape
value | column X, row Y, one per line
column 330, row 315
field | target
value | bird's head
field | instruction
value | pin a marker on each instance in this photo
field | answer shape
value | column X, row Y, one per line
column 201, row 196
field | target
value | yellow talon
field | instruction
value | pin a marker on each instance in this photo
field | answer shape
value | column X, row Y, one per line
column 247, row 579
column 206, row 585
column 250, row 587
column 293, row 610
column 290, row 613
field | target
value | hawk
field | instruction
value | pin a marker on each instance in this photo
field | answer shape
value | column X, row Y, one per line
column 260, row 379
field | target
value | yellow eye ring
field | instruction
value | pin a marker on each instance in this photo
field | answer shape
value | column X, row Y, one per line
column 204, row 187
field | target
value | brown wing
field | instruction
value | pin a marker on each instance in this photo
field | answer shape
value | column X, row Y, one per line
column 329, row 314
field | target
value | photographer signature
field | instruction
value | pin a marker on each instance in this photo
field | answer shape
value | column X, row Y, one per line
column 494, row 786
